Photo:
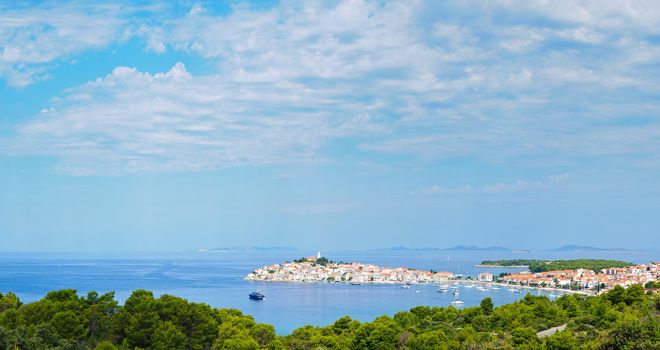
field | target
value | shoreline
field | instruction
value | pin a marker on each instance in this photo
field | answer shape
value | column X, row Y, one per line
column 553, row 289
column 502, row 267
column 462, row 281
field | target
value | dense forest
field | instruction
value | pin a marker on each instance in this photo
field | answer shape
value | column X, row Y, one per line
column 550, row 265
column 619, row 319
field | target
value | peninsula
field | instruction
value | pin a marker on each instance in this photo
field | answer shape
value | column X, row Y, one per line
column 320, row 269
column 550, row 265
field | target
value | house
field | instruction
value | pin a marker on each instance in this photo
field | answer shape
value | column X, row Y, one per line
column 485, row 277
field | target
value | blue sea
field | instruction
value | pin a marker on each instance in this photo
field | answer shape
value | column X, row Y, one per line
column 216, row 278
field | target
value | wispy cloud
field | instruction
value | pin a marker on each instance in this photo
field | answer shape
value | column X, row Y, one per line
column 521, row 82
column 32, row 38
column 520, row 185
column 131, row 121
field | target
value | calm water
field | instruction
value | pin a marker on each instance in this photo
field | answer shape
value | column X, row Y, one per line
column 217, row 279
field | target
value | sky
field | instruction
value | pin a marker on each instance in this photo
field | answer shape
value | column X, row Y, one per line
column 352, row 124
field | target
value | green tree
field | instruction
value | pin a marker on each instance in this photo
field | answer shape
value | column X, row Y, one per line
column 634, row 334
column 168, row 337
column 487, row 306
column 69, row 325
column 105, row 345
column 564, row 340
column 138, row 320
column 524, row 337
column 9, row 301
column 428, row 340
column 381, row 334
column 263, row 334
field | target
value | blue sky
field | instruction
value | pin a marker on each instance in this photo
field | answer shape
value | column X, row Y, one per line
column 329, row 124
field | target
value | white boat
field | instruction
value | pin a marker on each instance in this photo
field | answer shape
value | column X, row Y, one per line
column 442, row 290
column 457, row 303
column 511, row 290
column 417, row 291
column 456, row 292
column 405, row 286
column 469, row 286
column 517, row 291
column 495, row 288
column 481, row 288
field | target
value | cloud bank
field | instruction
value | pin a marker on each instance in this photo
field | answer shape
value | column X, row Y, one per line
column 530, row 82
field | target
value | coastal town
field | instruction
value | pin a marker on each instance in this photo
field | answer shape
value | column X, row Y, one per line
column 585, row 279
column 320, row 269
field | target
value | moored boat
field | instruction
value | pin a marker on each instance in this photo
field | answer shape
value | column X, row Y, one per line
column 257, row 296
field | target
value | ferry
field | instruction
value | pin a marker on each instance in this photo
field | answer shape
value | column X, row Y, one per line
column 257, row 296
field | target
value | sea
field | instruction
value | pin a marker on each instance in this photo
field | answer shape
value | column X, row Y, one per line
column 216, row 278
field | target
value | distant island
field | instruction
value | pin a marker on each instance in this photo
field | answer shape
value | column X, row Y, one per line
column 584, row 248
column 457, row 248
column 552, row 265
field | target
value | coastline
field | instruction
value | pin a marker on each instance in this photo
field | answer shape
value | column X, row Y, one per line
column 552, row 289
column 462, row 281
column 503, row 267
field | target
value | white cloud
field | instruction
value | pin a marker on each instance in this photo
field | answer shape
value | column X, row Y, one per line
column 131, row 121
column 31, row 38
column 510, row 81
column 520, row 185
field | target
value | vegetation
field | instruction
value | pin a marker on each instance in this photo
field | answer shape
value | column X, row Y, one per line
column 619, row 319
column 550, row 265
column 320, row 261
column 510, row 262
column 652, row 285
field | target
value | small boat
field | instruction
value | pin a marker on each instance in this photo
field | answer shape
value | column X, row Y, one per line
column 511, row 290
column 495, row 288
column 456, row 293
column 457, row 303
column 417, row 291
column 481, row 289
column 469, row 286
column 355, row 283
column 442, row 290
column 517, row 291
column 257, row 296
column 405, row 286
